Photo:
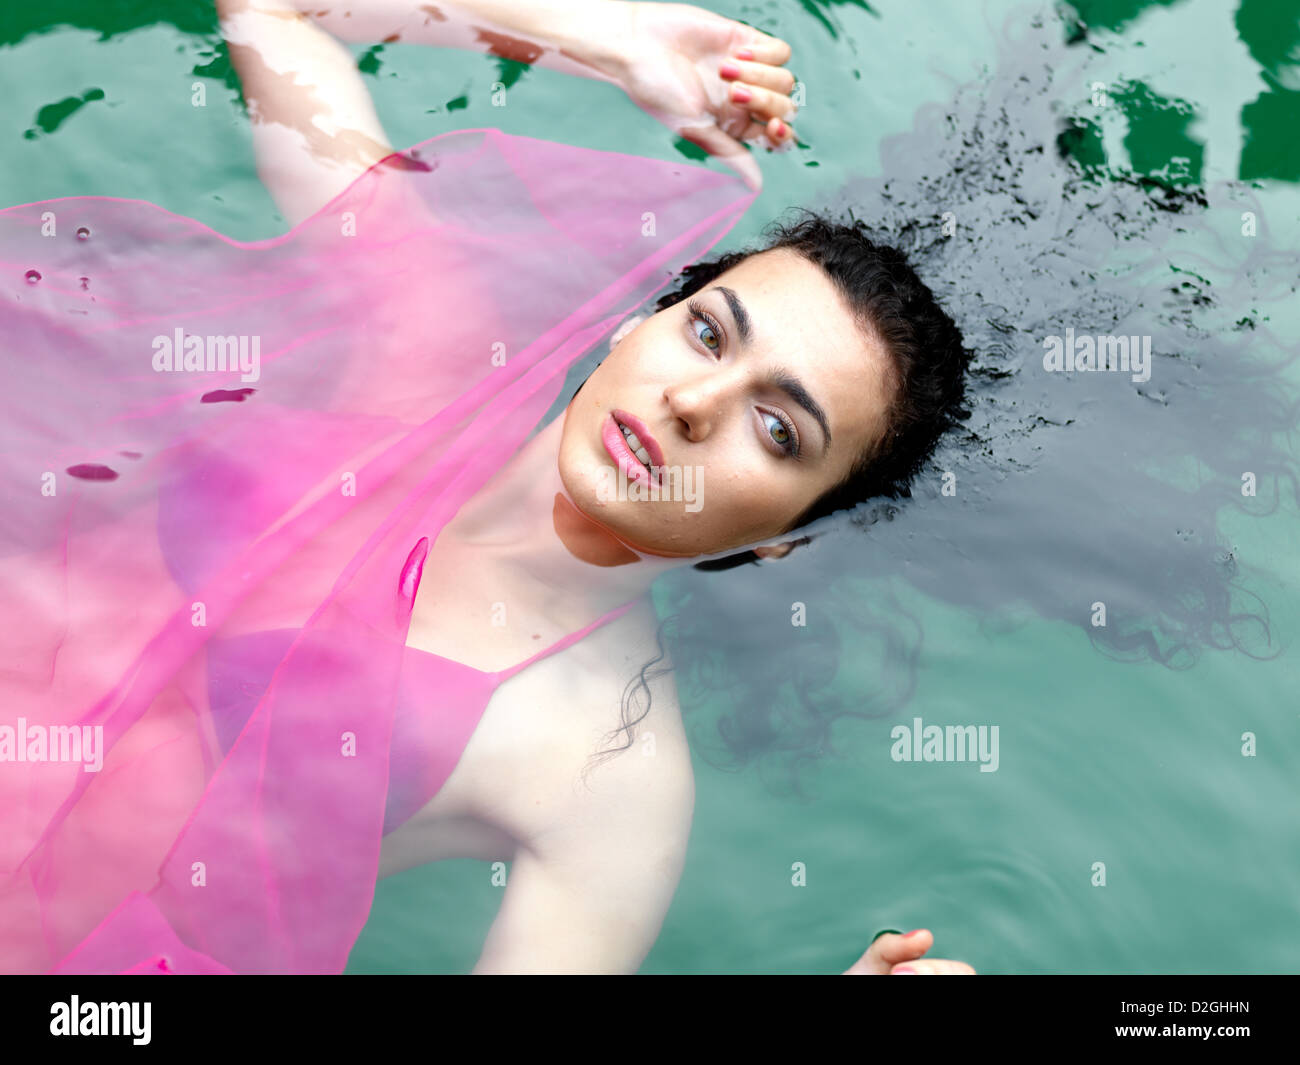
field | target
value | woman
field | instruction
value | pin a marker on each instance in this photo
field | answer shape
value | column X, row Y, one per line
column 540, row 554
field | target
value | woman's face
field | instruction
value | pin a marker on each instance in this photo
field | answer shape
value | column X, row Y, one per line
column 751, row 410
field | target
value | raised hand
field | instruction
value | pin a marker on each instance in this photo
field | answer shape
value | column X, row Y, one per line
column 712, row 80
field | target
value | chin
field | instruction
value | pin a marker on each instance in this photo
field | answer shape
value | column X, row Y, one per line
column 623, row 518
column 582, row 481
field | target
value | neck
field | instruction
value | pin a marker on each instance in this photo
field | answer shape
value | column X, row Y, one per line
column 524, row 525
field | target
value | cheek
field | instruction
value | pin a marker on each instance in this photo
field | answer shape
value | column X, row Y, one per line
column 656, row 350
column 766, row 494
column 738, row 506
column 611, row 379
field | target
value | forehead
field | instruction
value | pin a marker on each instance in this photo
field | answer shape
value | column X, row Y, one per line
column 801, row 322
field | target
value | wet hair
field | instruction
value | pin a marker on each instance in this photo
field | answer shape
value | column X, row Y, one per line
column 891, row 304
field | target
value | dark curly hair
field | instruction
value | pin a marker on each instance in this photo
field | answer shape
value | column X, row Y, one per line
column 892, row 304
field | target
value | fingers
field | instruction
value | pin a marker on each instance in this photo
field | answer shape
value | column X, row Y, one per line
column 893, row 949
column 778, row 79
column 932, row 967
column 775, row 136
column 900, row 955
column 764, row 91
column 779, row 134
column 763, row 48
column 762, row 103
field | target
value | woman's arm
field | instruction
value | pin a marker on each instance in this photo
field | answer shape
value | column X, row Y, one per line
column 594, row 901
column 315, row 129
column 583, row 37
column 589, row 893
column 314, row 126
column 668, row 57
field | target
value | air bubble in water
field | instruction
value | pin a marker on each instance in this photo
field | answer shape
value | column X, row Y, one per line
column 32, row 276
column 83, row 233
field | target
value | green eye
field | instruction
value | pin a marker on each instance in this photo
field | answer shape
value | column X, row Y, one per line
column 780, row 433
column 708, row 337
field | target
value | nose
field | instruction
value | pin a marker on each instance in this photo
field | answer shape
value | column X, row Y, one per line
column 699, row 403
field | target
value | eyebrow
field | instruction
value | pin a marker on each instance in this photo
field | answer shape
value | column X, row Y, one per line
column 779, row 378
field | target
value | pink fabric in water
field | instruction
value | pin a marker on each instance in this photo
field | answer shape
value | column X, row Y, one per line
column 152, row 513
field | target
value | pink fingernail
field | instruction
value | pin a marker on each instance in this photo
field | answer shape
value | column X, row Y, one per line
column 744, row 53
column 741, row 95
column 729, row 70
column 903, row 970
column 914, row 931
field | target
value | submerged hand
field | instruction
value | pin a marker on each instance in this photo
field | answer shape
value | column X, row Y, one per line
column 890, row 953
column 685, row 68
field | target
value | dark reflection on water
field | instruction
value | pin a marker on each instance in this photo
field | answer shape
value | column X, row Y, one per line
column 1071, row 489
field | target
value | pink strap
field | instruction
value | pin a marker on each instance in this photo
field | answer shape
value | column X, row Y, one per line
column 568, row 641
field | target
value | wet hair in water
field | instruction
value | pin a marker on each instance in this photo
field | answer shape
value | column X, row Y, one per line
column 1064, row 487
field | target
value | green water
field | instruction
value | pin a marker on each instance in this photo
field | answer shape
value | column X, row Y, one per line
column 1132, row 765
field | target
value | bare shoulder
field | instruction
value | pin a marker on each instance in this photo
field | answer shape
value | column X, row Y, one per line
column 566, row 762
column 613, row 845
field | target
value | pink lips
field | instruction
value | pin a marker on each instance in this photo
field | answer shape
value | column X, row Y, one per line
column 612, row 437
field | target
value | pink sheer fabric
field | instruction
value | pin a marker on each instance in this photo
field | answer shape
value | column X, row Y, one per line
column 409, row 337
